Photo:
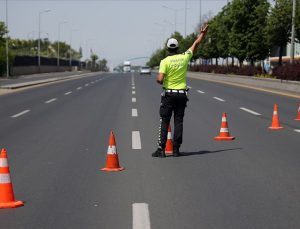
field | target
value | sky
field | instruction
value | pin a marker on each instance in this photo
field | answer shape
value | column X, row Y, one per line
column 116, row 30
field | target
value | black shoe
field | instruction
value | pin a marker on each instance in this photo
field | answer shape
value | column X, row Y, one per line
column 159, row 153
column 176, row 153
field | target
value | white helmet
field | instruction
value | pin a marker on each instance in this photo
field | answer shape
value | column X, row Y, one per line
column 172, row 43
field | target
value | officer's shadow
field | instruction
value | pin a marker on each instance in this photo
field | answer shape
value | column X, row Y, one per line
column 201, row 152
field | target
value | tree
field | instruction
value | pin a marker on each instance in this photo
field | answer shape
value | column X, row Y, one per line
column 279, row 25
column 239, row 16
column 94, row 57
column 297, row 20
column 3, row 31
column 257, row 36
column 208, row 48
column 156, row 57
column 103, row 65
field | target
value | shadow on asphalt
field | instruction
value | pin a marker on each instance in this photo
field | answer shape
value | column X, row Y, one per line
column 201, row 152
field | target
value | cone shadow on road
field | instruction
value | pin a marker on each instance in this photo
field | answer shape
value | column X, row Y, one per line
column 201, row 152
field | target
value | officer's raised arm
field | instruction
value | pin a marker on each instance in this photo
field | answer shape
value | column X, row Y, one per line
column 200, row 37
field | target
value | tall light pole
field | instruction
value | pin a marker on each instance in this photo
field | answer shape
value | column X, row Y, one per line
column 175, row 14
column 59, row 25
column 7, row 59
column 163, row 37
column 293, row 33
column 185, row 9
column 70, row 51
column 87, row 43
column 39, row 41
column 200, row 12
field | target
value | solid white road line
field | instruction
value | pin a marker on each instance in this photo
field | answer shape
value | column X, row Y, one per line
column 79, row 88
column 249, row 111
column 51, row 100
column 19, row 114
column 140, row 216
column 136, row 140
column 201, row 92
column 68, row 93
column 297, row 131
column 219, row 99
column 133, row 92
column 134, row 112
column 133, row 100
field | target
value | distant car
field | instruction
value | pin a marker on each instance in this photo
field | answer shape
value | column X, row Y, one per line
column 145, row 70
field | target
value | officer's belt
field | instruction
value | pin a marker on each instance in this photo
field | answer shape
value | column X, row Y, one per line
column 175, row 91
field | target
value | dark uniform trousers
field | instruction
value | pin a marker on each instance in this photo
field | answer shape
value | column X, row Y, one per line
column 171, row 103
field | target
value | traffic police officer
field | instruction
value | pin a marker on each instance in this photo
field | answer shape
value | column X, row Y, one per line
column 172, row 75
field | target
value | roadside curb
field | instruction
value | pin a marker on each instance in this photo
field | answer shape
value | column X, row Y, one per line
column 37, row 82
column 290, row 89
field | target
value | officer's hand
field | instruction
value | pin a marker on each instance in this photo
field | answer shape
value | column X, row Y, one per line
column 204, row 29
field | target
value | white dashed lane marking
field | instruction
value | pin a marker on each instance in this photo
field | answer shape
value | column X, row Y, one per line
column 250, row 111
column 79, row 88
column 134, row 112
column 86, row 84
column 201, row 92
column 219, row 99
column 51, row 100
column 140, row 216
column 68, row 93
column 133, row 100
column 20, row 114
column 297, row 131
column 133, row 92
column 136, row 140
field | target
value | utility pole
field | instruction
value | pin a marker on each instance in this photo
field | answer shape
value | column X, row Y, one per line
column 293, row 33
column 7, row 58
column 200, row 13
column 63, row 22
column 185, row 9
column 39, row 41
column 70, row 59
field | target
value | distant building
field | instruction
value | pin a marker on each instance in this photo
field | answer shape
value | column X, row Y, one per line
column 274, row 57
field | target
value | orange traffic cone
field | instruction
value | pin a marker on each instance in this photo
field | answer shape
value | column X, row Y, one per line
column 298, row 116
column 7, row 198
column 275, row 120
column 169, row 143
column 224, row 133
column 112, row 160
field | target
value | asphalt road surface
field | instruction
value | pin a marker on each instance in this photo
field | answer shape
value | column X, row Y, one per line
column 57, row 137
